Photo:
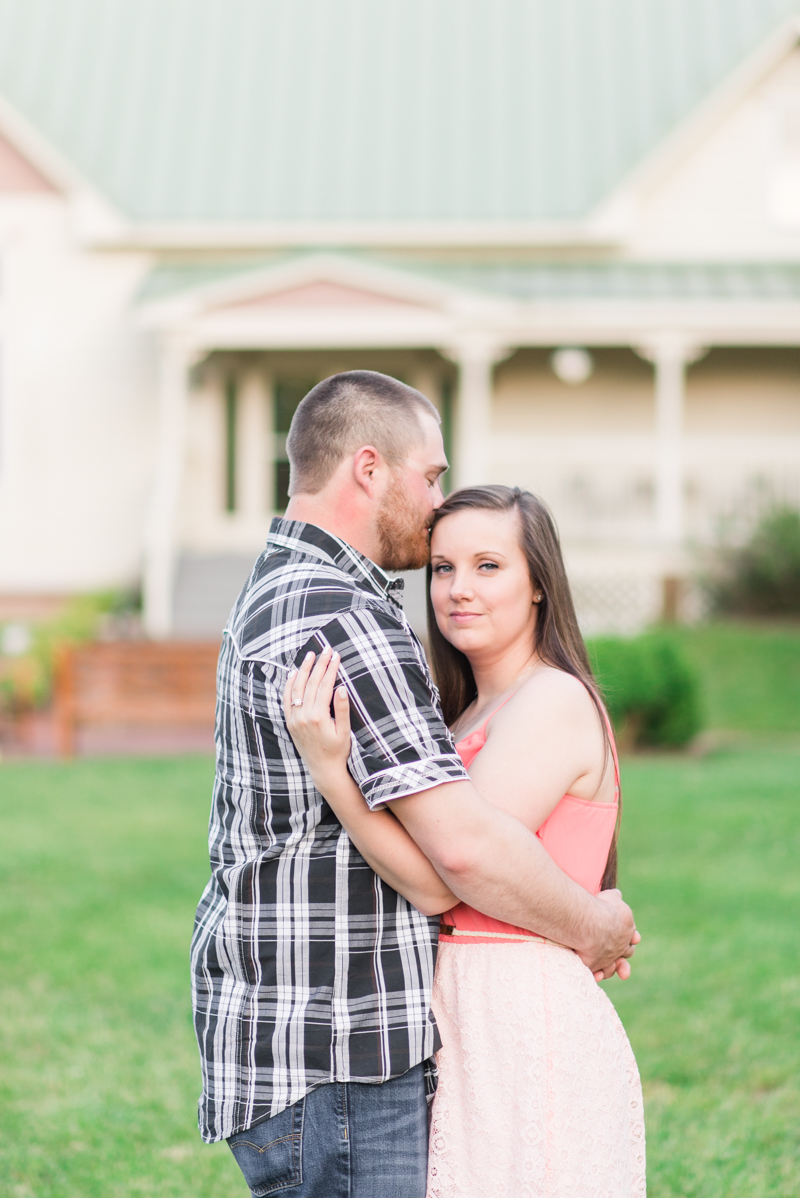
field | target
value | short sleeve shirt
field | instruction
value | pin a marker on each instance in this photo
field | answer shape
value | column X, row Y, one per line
column 307, row 967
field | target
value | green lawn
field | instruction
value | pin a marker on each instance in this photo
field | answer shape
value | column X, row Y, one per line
column 709, row 861
column 102, row 864
column 749, row 673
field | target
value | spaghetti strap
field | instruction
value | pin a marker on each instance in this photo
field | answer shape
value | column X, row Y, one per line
column 481, row 730
column 490, row 717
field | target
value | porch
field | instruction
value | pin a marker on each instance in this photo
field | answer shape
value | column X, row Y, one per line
column 676, row 405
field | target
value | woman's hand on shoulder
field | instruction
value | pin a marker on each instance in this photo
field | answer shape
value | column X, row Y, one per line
column 322, row 741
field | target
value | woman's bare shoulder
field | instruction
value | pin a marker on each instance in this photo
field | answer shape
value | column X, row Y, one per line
column 553, row 695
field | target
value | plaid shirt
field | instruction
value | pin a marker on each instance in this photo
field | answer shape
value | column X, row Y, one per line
column 307, row 968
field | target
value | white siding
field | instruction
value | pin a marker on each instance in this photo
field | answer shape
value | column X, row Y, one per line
column 77, row 401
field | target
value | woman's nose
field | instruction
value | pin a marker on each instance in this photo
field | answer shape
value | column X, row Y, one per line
column 460, row 588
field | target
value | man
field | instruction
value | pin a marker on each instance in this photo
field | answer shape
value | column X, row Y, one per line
column 312, row 977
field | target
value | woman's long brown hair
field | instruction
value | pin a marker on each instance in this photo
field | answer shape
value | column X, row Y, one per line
column 557, row 638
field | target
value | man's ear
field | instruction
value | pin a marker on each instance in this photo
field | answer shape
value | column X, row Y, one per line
column 367, row 465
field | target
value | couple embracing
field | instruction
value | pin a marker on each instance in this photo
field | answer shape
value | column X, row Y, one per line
column 412, row 891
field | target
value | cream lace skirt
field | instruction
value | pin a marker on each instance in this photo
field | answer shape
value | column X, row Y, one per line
column 539, row 1094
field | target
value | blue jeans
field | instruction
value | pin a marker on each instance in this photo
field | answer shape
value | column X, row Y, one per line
column 343, row 1140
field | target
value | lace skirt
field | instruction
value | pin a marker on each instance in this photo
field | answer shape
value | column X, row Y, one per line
column 539, row 1094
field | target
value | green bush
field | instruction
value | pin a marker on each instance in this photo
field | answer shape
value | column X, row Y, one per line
column 26, row 680
column 651, row 691
column 762, row 577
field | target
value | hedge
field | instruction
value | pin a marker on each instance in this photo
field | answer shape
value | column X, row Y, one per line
column 651, row 691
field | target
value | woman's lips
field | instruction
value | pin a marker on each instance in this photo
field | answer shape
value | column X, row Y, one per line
column 464, row 617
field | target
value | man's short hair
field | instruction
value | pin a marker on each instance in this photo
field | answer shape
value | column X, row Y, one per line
column 346, row 411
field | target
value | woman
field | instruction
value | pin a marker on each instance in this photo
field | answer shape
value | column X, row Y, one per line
column 539, row 1092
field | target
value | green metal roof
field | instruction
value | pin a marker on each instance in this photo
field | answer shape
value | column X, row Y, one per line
column 172, row 279
column 409, row 110
column 542, row 281
column 630, row 280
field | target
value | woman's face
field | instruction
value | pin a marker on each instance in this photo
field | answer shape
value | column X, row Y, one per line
column 481, row 589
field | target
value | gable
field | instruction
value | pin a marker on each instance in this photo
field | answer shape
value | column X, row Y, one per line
column 320, row 293
column 736, row 193
column 17, row 174
column 294, row 287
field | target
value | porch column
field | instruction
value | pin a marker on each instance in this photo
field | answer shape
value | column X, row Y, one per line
column 670, row 355
column 254, row 448
column 176, row 360
column 476, row 358
column 428, row 381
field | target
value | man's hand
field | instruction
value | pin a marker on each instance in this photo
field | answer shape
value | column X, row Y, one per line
column 620, row 966
column 615, row 938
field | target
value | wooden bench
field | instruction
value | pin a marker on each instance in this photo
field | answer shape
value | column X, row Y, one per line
column 134, row 684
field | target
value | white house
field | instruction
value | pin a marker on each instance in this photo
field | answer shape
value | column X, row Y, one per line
column 576, row 226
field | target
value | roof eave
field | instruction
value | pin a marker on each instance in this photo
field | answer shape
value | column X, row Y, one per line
column 261, row 235
column 616, row 213
column 94, row 217
column 392, row 282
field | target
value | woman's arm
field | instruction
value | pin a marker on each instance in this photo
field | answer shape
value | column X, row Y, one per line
column 548, row 741
column 324, row 744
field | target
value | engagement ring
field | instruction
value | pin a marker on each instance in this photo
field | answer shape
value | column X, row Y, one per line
column 297, row 702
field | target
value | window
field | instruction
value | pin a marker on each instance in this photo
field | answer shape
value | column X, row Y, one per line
column 287, row 397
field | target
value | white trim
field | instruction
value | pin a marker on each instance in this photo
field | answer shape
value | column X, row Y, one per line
column 324, row 328
column 476, row 358
column 435, row 313
column 609, row 322
column 297, row 234
column 615, row 216
column 671, row 356
column 93, row 215
column 34, row 147
column 158, row 582
column 253, row 450
column 594, row 323
column 395, row 284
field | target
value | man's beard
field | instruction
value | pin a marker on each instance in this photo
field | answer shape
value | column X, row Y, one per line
column 403, row 531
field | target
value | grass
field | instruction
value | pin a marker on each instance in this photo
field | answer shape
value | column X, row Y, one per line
column 102, row 864
column 750, row 674
column 709, row 852
column 103, row 861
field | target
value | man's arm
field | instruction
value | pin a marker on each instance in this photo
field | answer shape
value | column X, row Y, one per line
column 526, row 888
column 499, row 867
column 401, row 754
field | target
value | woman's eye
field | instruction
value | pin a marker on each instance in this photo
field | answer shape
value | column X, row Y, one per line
column 442, row 569
column 488, row 566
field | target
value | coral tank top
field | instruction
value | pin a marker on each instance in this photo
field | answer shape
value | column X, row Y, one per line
column 577, row 834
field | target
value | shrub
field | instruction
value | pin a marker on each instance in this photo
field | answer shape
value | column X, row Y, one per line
column 26, row 680
column 651, row 691
column 762, row 577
